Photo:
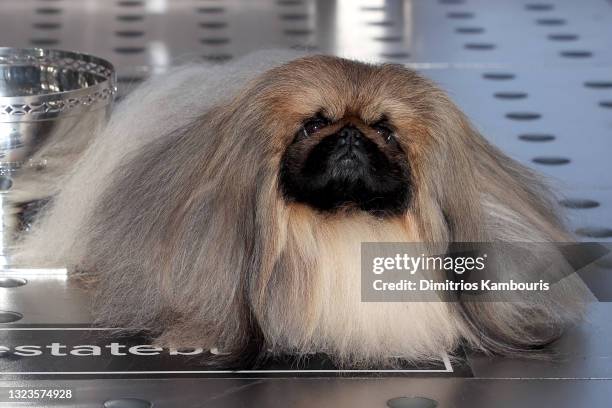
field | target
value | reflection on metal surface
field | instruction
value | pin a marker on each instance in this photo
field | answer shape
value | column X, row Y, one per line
column 44, row 95
column 46, row 273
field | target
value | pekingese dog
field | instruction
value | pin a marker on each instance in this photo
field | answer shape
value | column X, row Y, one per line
column 225, row 207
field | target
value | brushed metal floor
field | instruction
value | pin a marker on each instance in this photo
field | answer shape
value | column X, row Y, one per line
column 534, row 76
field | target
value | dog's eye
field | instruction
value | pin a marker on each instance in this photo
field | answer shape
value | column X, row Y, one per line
column 384, row 131
column 314, row 125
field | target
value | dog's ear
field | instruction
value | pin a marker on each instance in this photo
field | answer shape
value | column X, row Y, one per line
column 464, row 176
column 175, row 237
column 509, row 205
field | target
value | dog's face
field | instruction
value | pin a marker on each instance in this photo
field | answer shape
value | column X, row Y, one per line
column 346, row 163
column 345, row 131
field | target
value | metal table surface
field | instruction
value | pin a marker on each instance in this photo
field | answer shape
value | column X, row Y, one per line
column 548, row 62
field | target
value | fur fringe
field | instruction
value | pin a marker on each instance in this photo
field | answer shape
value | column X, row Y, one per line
column 174, row 213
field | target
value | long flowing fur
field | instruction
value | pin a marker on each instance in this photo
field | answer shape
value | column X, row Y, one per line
column 175, row 214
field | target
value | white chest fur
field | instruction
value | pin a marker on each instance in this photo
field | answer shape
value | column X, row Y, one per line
column 331, row 317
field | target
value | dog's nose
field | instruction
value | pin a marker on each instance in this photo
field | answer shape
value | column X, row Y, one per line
column 351, row 136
